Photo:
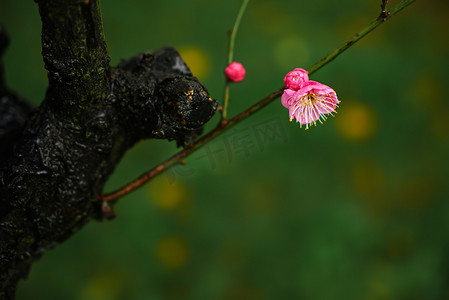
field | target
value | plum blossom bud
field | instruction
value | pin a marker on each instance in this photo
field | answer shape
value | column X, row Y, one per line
column 235, row 72
column 310, row 103
column 295, row 79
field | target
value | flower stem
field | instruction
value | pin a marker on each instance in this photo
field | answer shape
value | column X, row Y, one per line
column 234, row 31
column 223, row 126
column 231, row 56
column 224, row 113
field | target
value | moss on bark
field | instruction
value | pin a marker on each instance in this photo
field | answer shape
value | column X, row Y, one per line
column 91, row 115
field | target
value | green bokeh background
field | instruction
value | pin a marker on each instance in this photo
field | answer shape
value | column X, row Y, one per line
column 356, row 208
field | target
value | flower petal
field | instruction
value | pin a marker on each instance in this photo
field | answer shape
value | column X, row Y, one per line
column 235, row 72
column 295, row 79
column 326, row 104
column 286, row 96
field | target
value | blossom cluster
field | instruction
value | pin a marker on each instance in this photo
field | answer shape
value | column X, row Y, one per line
column 307, row 101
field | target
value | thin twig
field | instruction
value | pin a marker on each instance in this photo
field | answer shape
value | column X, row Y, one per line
column 224, row 112
column 231, row 57
column 180, row 156
column 383, row 13
column 384, row 4
column 331, row 56
column 234, row 31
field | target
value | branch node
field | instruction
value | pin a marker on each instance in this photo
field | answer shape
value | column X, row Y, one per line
column 384, row 13
column 108, row 212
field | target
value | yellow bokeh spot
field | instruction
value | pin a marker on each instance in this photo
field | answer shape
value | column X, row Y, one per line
column 356, row 121
column 234, row 254
column 427, row 93
column 273, row 17
column 104, row 286
column 259, row 200
column 168, row 194
column 245, row 292
column 416, row 192
column 378, row 290
column 440, row 19
column 400, row 244
column 368, row 177
column 440, row 125
column 291, row 51
column 369, row 182
column 196, row 59
column 428, row 97
column 172, row 252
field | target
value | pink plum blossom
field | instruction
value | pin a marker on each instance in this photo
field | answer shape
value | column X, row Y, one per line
column 235, row 72
column 295, row 79
column 310, row 103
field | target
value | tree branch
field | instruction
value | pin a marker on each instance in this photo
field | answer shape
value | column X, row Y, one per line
column 74, row 52
column 14, row 110
column 90, row 116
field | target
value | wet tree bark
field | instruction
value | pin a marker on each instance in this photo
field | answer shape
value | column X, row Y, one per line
column 55, row 159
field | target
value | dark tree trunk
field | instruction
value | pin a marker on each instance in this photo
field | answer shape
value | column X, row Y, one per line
column 55, row 159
